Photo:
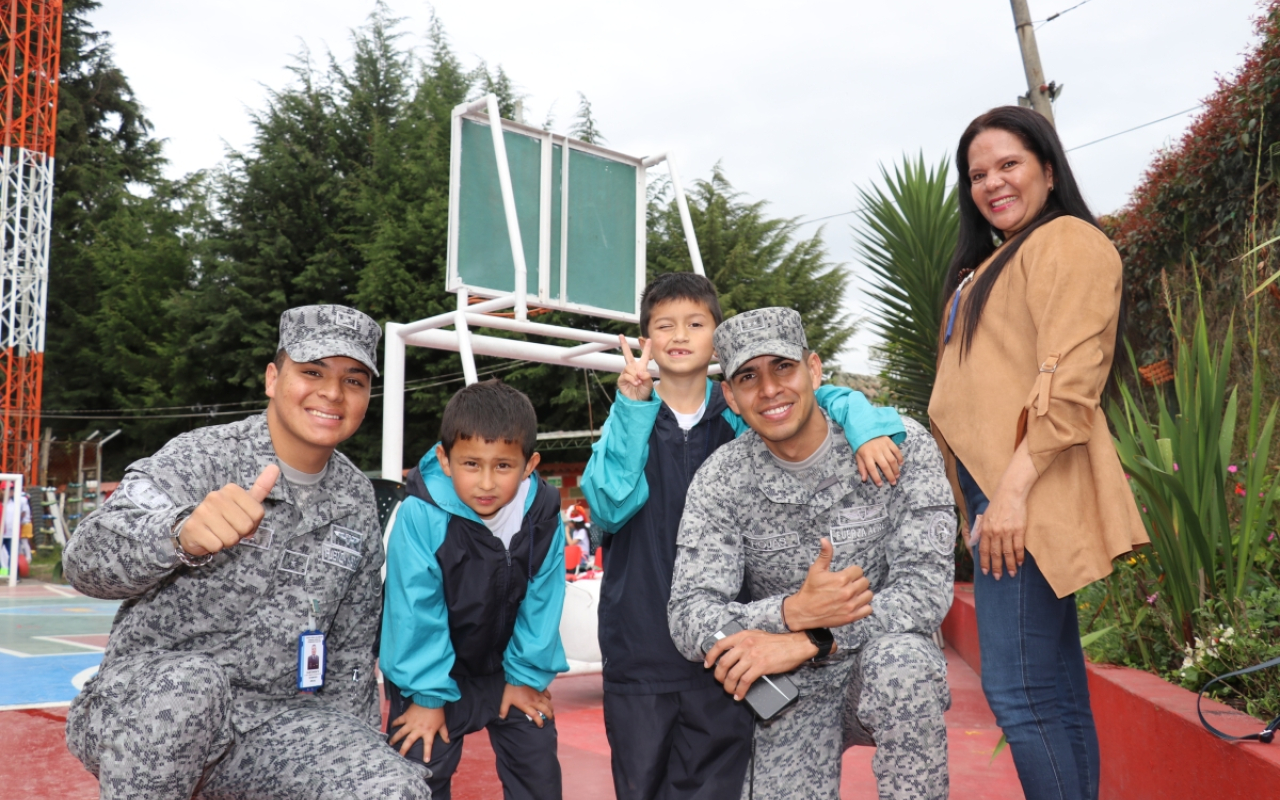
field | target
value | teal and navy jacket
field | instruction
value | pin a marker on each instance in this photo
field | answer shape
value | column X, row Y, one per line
column 459, row 603
column 635, row 483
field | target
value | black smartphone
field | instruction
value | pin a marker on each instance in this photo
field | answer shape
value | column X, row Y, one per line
column 769, row 694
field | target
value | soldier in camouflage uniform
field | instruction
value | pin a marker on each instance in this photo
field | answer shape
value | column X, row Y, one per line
column 760, row 510
column 198, row 692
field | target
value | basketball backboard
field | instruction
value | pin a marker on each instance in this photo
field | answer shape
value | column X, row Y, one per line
column 581, row 212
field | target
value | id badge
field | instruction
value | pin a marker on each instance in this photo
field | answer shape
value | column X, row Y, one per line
column 311, row 658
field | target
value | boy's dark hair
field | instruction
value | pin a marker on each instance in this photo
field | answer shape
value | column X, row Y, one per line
column 678, row 286
column 490, row 410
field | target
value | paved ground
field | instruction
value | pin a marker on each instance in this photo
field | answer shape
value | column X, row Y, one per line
column 51, row 638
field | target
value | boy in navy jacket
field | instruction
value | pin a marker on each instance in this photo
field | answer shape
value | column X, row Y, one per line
column 474, row 590
column 673, row 731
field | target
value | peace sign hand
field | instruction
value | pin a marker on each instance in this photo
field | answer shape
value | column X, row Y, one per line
column 635, row 382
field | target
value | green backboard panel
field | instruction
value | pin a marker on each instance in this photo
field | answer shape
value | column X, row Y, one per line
column 601, row 269
column 557, row 216
column 484, row 249
column 588, row 261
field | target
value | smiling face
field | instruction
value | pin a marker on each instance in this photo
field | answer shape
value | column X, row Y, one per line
column 315, row 406
column 1007, row 182
column 486, row 474
column 774, row 396
column 680, row 331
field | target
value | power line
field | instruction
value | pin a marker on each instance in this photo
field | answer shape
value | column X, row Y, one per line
column 829, row 216
column 209, row 407
column 1069, row 149
column 122, row 414
column 1138, row 127
column 1041, row 23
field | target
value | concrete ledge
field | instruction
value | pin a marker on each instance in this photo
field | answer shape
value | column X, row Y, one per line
column 1152, row 743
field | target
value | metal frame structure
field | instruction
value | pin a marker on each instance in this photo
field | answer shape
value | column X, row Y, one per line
column 434, row 332
column 30, row 41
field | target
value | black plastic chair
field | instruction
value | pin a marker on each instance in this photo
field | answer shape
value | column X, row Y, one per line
column 388, row 494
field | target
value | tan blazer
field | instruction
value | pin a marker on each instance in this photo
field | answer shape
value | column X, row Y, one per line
column 1039, row 361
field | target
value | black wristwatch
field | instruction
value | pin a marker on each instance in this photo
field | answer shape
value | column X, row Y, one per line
column 823, row 640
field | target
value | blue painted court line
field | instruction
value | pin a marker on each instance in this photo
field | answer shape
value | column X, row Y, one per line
column 42, row 679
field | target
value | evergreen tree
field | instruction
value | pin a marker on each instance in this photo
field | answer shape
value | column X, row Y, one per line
column 584, row 127
column 121, row 245
column 171, row 297
column 753, row 259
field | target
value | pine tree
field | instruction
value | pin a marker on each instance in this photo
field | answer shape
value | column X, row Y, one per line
column 584, row 127
column 122, row 244
column 753, row 259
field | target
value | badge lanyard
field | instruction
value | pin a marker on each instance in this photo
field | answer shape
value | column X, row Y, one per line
column 311, row 653
column 955, row 306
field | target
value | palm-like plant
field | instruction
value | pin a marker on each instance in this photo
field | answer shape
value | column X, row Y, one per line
column 906, row 233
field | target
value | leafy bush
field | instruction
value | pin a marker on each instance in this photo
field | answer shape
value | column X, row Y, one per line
column 1204, row 532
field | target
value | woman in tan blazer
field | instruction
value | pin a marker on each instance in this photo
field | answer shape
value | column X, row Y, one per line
column 1032, row 315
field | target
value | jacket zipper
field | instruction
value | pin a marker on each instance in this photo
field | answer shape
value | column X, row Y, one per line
column 502, row 605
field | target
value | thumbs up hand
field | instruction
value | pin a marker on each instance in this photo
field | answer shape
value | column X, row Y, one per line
column 828, row 599
column 227, row 515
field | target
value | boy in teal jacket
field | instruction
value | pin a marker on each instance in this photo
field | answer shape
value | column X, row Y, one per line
column 474, row 591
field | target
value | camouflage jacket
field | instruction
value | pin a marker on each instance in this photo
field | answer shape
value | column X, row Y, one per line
column 746, row 517
column 246, row 608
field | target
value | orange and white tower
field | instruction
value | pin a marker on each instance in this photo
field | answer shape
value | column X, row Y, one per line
column 30, row 36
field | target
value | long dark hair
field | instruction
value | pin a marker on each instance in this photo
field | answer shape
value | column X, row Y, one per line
column 977, row 239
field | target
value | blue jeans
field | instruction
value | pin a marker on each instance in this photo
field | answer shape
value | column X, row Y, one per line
column 1033, row 675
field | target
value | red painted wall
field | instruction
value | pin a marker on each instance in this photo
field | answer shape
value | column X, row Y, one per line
column 1153, row 745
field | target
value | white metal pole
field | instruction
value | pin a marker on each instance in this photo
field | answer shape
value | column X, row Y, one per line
column 522, row 350
column 441, row 320
column 464, row 339
column 509, row 205
column 393, row 403
column 685, row 220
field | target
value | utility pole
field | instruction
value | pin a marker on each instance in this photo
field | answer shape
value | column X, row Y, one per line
column 1039, row 93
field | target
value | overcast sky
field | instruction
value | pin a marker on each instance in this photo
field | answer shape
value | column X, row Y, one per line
column 800, row 101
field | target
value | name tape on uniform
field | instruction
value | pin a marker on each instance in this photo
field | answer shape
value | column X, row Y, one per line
column 340, row 557
column 858, row 524
column 770, row 544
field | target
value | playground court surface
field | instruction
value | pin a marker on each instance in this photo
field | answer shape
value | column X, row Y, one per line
column 52, row 638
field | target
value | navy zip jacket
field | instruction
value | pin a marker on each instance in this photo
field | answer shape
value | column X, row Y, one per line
column 459, row 603
column 635, row 483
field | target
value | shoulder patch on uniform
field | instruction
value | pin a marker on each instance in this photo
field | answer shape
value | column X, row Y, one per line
column 942, row 531
column 146, row 495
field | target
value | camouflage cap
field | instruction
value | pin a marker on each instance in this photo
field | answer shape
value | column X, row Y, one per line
column 310, row 333
column 773, row 331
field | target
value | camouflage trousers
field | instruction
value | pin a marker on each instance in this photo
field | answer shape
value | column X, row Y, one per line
column 159, row 727
column 890, row 696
